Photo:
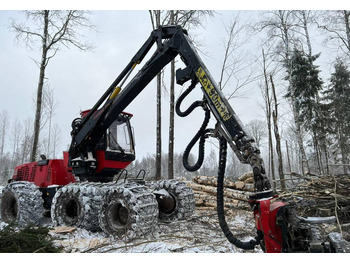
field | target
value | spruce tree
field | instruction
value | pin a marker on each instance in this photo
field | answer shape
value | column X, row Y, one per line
column 337, row 102
column 306, row 85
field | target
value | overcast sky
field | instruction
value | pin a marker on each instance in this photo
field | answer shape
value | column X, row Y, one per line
column 80, row 78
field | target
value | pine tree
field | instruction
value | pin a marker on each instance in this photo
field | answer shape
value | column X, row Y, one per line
column 338, row 101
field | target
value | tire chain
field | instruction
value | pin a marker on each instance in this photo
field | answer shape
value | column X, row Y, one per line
column 140, row 199
column 56, row 208
column 185, row 202
column 142, row 204
column 93, row 195
column 30, row 202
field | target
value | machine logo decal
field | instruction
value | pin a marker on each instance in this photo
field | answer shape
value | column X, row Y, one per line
column 213, row 94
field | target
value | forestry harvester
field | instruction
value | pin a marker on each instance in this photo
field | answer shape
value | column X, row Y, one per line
column 85, row 188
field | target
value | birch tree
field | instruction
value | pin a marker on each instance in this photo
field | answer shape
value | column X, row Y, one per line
column 50, row 106
column 4, row 122
column 155, row 19
column 257, row 128
column 238, row 67
column 265, row 91
column 187, row 19
column 280, row 27
column 336, row 23
column 277, row 134
column 16, row 135
column 27, row 140
column 51, row 30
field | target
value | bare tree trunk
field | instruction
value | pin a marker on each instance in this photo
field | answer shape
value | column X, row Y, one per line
column 316, row 149
column 285, row 28
column 288, row 159
column 159, row 130
column 4, row 123
column 49, row 108
column 289, row 165
column 268, row 117
column 40, row 88
column 155, row 19
column 159, row 117
column 53, row 29
column 304, row 161
column 342, row 147
column 304, row 21
column 347, row 26
column 277, row 136
column 171, row 113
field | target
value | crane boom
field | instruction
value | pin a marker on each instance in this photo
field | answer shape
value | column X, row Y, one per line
column 171, row 41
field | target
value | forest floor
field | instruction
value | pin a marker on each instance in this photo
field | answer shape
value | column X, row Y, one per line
column 202, row 233
column 199, row 234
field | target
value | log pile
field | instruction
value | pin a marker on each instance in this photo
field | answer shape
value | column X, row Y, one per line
column 236, row 193
column 330, row 195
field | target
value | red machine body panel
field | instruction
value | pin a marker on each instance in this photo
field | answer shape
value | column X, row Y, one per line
column 265, row 221
column 54, row 172
column 103, row 163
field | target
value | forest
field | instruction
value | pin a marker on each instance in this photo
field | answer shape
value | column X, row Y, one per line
column 305, row 130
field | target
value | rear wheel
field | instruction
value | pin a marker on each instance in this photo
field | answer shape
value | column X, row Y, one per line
column 183, row 198
column 22, row 202
column 66, row 207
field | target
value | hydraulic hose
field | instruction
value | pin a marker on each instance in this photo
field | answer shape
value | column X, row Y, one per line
column 220, row 203
column 201, row 135
column 182, row 97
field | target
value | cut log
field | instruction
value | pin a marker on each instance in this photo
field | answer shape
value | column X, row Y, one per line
column 239, row 185
column 246, row 176
column 62, row 230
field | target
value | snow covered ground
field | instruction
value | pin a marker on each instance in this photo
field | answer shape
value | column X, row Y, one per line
column 200, row 234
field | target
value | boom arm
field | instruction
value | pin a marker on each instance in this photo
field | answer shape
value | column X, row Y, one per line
column 171, row 41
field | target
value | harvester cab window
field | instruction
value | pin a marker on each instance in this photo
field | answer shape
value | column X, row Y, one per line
column 119, row 137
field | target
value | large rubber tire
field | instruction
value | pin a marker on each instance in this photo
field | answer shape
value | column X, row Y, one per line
column 67, row 208
column 128, row 211
column 22, row 203
column 91, row 199
column 184, row 200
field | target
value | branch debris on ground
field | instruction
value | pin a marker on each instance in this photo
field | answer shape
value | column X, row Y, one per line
column 201, row 233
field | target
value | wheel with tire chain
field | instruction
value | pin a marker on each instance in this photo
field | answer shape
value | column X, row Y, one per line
column 128, row 211
column 183, row 197
column 91, row 199
column 67, row 208
column 22, row 202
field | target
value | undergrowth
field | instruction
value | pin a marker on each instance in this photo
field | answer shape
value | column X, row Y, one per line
column 27, row 240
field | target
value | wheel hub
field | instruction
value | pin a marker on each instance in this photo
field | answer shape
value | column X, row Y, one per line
column 118, row 215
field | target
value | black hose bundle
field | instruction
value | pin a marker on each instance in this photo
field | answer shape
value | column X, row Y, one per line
column 220, row 203
column 201, row 135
